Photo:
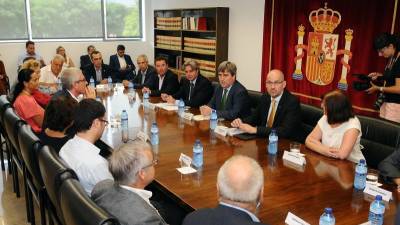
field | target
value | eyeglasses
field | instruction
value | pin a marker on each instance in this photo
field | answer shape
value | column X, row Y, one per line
column 153, row 163
column 274, row 83
column 105, row 121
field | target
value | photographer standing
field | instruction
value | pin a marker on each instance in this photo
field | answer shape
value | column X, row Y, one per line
column 388, row 46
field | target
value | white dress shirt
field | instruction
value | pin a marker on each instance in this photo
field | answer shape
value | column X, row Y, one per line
column 144, row 194
column 83, row 157
column 160, row 81
column 47, row 76
column 122, row 62
column 277, row 99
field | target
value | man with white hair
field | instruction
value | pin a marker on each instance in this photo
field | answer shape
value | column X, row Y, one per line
column 132, row 167
column 49, row 75
column 240, row 185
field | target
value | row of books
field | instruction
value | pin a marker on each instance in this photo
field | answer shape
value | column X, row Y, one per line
column 192, row 23
column 200, row 45
column 207, row 68
column 169, row 42
column 170, row 23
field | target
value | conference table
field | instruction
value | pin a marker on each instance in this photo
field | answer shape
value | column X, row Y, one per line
column 302, row 190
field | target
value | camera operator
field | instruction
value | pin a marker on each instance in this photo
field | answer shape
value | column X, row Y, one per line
column 388, row 46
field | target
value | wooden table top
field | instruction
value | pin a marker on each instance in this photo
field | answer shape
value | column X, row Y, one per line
column 304, row 191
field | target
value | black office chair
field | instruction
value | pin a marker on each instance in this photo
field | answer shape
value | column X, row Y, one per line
column 12, row 124
column 4, row 104
column 30, row 146
column 79, row 209
column 53, row 171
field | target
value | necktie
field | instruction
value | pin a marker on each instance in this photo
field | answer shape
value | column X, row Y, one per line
column 270, row 121
column 191, row 89
column 223, row 100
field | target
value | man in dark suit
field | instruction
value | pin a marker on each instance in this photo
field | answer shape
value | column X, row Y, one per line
column 97, row 70
column 195, row 90
column 132, row 167
column 230, row 98
column 122, row 65
column 165, row 82
column 240, row 185
column 145, row 72
column 278, row 109
column 86, row 59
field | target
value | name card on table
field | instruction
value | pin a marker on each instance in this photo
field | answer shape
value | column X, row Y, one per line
column 294, row 158
column 292, row 219
column 221, row 130
column 374, row 191
column 142, row 136
column 185, row 160
column 188, row 116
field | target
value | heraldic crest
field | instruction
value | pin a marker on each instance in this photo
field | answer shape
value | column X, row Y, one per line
column 322, row 49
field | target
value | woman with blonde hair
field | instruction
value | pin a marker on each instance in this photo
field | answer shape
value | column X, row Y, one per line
column 67, row 60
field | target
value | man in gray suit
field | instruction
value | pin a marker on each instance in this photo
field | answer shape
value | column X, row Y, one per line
column 132, row 167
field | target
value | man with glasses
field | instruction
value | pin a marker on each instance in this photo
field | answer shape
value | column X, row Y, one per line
column 132, row 167
column 230, row 98
column 74, row 85
column 80, row 153
column 278, row 109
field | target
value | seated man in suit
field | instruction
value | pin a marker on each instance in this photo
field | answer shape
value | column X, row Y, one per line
column 195, row 90
column 122, row 65
column 145, row 72
column 132, row 167
column 86, row 60
column 74, row 85
column 283, row 114
column 240, row 186
column 97, row 70
column 230, row 98
column 165, row 81
column 80, row 153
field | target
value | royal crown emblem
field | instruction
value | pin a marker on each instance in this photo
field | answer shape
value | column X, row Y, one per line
column 322, row 49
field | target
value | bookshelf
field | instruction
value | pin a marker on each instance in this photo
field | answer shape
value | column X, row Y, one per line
column 199, row 33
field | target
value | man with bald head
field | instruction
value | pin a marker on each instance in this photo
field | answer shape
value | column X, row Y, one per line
column 240, row 186
column 278, row 109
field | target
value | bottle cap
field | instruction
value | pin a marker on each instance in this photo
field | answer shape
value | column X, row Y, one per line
column 123, row 110
column 362, row 161
column 328, row 210
column 378, row 197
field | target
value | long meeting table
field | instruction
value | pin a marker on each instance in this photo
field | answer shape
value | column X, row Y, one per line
column 302, row 190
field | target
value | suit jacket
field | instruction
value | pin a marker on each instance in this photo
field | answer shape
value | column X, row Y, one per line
column 128, row 207
column 389, row 168
column 237, row 102
column 120, row 75
column 150, row 74
column 169, row 86
column 201, row 93
column 221, row 215
column 85, row 61
column 89, row 72
column 287, row 120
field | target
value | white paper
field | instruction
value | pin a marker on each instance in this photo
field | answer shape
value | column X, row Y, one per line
column 294, row 158
column 221, row 130
column 185, row 160
column 188, row 116
column 366, row 223
column 142, row 136
column 200, row 117
column 233, row 131
column 292, row 219
column 374, row 191
column 186, row 170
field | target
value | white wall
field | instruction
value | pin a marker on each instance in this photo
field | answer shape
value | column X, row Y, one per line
column 246, row 24
column 246, row 20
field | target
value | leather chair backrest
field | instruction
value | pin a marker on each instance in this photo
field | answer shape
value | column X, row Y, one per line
column 380, row 138
column 53, row 171
column 255, row 97
column 310, row 116
column 30, row 145
column 12, row 123
column 4, row 104
column 79, row 209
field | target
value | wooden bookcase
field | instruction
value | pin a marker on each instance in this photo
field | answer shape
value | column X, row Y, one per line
column 200, row 34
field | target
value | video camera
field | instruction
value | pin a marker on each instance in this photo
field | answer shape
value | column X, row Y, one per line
column 363, row 82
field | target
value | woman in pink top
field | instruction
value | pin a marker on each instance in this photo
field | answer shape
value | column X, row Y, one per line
column 24, row 103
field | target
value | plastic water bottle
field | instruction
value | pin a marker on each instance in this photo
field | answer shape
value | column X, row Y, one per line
column 154, row 134
column 124, row 126
column 197, row 153
column 59, row 84
column 327, row 217
column 146, row 99
column 360, row 176
column 92, row 82
column 109, row 81
column 181, row 108
column 131, row 92
column 213, row 119
column 376, row 211
column 273, row 142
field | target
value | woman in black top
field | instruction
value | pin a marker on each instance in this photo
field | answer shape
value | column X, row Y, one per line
column 58, row 118
column 388, row 46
